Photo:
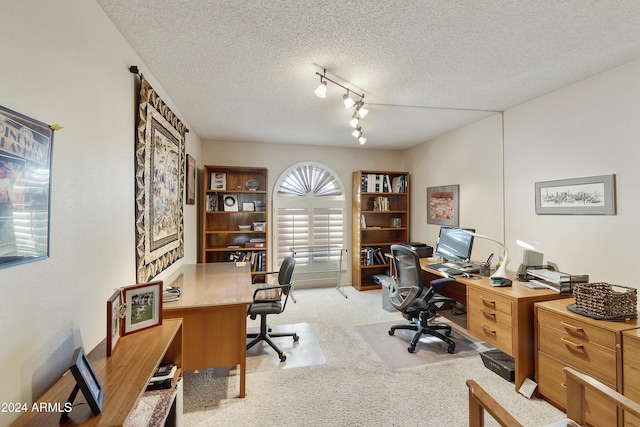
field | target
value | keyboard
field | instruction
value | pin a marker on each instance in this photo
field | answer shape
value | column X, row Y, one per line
column 454, row 269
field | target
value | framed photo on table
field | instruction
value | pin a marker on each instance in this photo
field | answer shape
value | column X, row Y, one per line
column 86, row 381
column 143, row 306
column 115, row 315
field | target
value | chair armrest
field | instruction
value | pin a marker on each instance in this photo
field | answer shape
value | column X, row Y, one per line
column 269, row 292
column 480, row 401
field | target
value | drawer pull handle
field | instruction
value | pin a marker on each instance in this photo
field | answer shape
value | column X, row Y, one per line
column 488, row 302
column 563, row 385
column 572, row 344
column 571, row 327
column 488, row 314
column 488, row 330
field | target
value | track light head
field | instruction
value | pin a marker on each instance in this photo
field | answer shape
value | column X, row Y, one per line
column 362, row 112
column 354, row 121
column 348, row 101
column 357, row 132
column 321, row 90
column 362, row 140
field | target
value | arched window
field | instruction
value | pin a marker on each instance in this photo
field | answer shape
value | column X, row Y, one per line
column 309, row 209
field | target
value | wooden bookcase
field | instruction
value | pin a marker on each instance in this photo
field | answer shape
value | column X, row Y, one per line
column 234, row 215
column 380, row 218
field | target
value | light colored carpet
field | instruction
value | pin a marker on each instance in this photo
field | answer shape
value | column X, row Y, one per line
column 392, row 350
column 305, row 352
column 354, row 387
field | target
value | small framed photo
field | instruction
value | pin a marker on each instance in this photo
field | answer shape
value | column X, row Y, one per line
column 191, row 180
column 115, row 314
column 218, row 181
column 144, row 306
column 259, row 226
column 86, row 381
column 248, row 206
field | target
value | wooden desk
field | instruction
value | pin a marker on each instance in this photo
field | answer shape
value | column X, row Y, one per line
column 123, row 376
column 502, row 317
column 213, row 307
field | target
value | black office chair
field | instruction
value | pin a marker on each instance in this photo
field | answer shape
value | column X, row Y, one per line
column 417, row 302
column 264, row 305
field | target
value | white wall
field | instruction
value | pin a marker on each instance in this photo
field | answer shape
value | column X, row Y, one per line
column 470, row 157
column 64, row 62
column 587, row 129
column 279, row 157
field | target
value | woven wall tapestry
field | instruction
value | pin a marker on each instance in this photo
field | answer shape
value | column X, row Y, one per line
column 159, row 180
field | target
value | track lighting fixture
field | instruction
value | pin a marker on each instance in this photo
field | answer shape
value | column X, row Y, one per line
column 348, row 101
column 359, row 113
column 354, row 121
column 321, row 90
column 362, row 112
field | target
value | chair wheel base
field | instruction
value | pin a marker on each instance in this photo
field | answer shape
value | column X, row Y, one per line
column 296, row 338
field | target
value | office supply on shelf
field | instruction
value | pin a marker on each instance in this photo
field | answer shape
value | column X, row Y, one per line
column 501, row 272
column 555, row 280
column 488, row 262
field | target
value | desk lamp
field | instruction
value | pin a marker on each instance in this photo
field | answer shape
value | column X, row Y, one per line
column 500, row 276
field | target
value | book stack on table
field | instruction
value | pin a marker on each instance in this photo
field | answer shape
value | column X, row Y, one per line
column 165, row 377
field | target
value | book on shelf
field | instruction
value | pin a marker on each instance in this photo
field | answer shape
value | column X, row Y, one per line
column 165, row 376
column 171, row 294
column 372, row 256
column 383, row 183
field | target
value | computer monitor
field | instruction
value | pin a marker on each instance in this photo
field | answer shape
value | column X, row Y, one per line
column 454, row 244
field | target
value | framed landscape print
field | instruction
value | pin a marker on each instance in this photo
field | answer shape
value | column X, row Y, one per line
column 25, row 188
column 443, row 205
column 594, row 195
column 159, row 180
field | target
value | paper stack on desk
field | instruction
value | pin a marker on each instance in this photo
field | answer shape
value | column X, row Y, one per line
column 555, row 280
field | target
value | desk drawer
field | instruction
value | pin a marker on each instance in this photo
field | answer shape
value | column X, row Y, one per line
column 552, row 385
column 597, row 361
column 490, row 331
column 488, row 301
column 578, row 329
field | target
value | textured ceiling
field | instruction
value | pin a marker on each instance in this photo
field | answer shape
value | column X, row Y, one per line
column 245, row 70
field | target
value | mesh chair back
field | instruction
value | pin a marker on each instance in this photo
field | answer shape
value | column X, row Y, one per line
column 286, row 271
column 407, row 284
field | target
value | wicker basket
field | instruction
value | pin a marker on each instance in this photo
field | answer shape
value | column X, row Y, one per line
column 604, row 300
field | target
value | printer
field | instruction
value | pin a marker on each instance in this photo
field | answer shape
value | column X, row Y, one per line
column 422, row 249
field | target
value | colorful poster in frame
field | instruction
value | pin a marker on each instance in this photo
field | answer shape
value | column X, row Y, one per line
column 25, row 188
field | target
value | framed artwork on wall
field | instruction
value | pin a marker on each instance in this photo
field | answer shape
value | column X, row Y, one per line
column 443, row 205
column 159, row 180
column 143, row 304
column 25, row 188
column 594, row 195
column 191, row 180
